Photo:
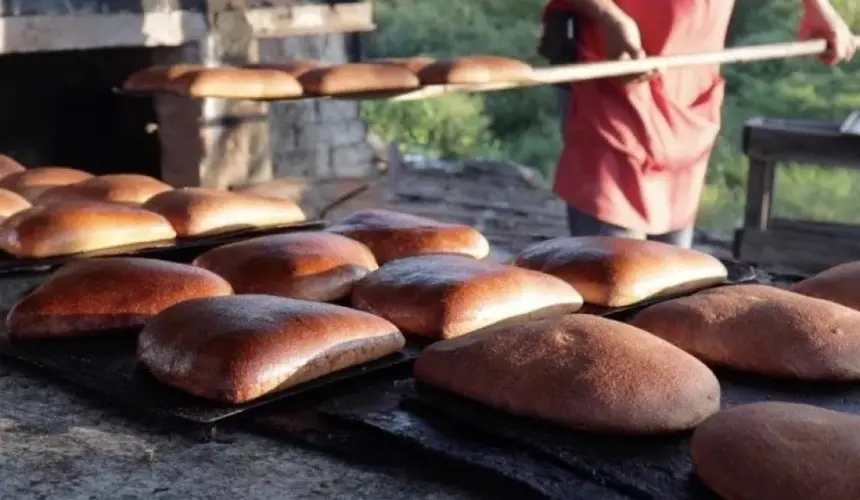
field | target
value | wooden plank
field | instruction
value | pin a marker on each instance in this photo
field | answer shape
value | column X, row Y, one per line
column 827, row 229
column 797, row 251
column 760, row 183
column 818, row 143
column 308, row 19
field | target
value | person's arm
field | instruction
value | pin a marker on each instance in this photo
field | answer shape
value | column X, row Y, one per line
column 821, row 20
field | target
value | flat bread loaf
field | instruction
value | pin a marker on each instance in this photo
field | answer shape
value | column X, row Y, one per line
column 102, row 294
column 618, row 272
column 355, row 78
column 761, row 329
column 239, row 348
column 476, row 70
column 157, row 78
column 33, row 182
column 840, row 284
column 9, row 165
column 394, row 235
column 131, row 189
column 580, row 371
column 446, row 296
column 11, row 203
column 779, row 451
column 75, row 227
column 309, row 265
column 237, row 83
column 203, row 212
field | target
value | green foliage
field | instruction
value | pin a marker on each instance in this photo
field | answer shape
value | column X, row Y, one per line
column 523, row 125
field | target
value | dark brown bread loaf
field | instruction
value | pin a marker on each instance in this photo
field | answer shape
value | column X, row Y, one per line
column 476, row 70
column 11, row 203
column 394, row 235
column 445, row 296
column 763, row 330
column 101, row 294
column 357, row 78
column 130, row 189
column 9, row 166
column 33, row 182
column 579, row 371
column 779, row 451
column 617, row 272
column 64, row 228
column 202, row 212
column 236, row 83
column 309, row 265
column 239, row 348
column 840, row 284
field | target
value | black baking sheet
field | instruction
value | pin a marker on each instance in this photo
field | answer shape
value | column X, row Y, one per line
column 107, row 366
column 178, row 250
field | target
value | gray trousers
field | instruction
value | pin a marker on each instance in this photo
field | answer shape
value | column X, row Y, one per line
column 583, row 224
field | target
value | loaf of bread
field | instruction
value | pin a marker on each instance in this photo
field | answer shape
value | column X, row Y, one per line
column 293, row 68
column 309, row 265
column 11, row 203
column 236, row 83
column 33, row 182
column 91, row 296
column 356, row 78
column 157, row 78
column 132, row 189
column 840, row 284
column 579, row 371
column 239, row 348
column 761, row 329
column 476, row 70
column 779, row 451
column 75, row 227
column 413, row 64
column 393, row 235
column 446, row 296
column 203, row 212
column 9, row 165
column 617, row 272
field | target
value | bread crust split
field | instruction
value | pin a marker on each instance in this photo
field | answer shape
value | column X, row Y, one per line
column 240, row 348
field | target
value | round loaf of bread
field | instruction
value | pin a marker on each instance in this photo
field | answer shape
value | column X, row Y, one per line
column 157, row 78
column 618, row 272
column 840, row 284
column 761, row 329
column 779, row 451
column 475, row 70
column 9, row 165
column 239, row 348
column 356, row 78
column 236, row 83
column 413, row 64
column 11, row 203
column 309, row 265
column 76, row 227
column 101, row 294
column 446, row 296
column 131, row 189
column 393, row 235
column 204, row 212
column 33, row 182
column 580, row 371
column 293, row 68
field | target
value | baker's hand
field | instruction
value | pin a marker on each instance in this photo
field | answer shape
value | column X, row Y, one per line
column 623, row 42
column 821, row 20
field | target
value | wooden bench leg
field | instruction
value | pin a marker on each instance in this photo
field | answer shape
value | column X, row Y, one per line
column 760, row 190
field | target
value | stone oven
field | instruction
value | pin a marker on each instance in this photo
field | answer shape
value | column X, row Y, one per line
column 60, row 61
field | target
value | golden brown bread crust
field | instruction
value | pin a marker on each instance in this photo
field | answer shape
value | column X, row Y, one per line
column 75, row 227
column 309, row 265
column 475, row 70
column 358, row 77
column 413, row 64
column 102, row 294
column 9, row 165
column 237, row 83
column 617, row 272
column 762, row 330
column 11, row 203
column 293, row 68
column 157, row 78
column 579, row 371
column 394, row 235
column 446, row 296
column 33, row 182
column 239, row 348
column 840, row 284
column 202, row 212
column 132, row 189
column 779, row 451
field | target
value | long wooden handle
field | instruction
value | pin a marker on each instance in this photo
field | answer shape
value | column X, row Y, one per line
column 592, row 71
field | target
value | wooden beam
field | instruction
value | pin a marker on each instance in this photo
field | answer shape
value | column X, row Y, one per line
column 760, row 184
column 801, row 141
column 313, row 19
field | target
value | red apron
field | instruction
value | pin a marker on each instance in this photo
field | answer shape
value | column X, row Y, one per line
column 636, row 155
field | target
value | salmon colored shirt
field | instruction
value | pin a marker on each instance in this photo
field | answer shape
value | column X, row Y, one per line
column 636, row 155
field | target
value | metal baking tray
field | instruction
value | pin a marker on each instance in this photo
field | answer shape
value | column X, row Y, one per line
column 178, row 250
column 106, row 366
